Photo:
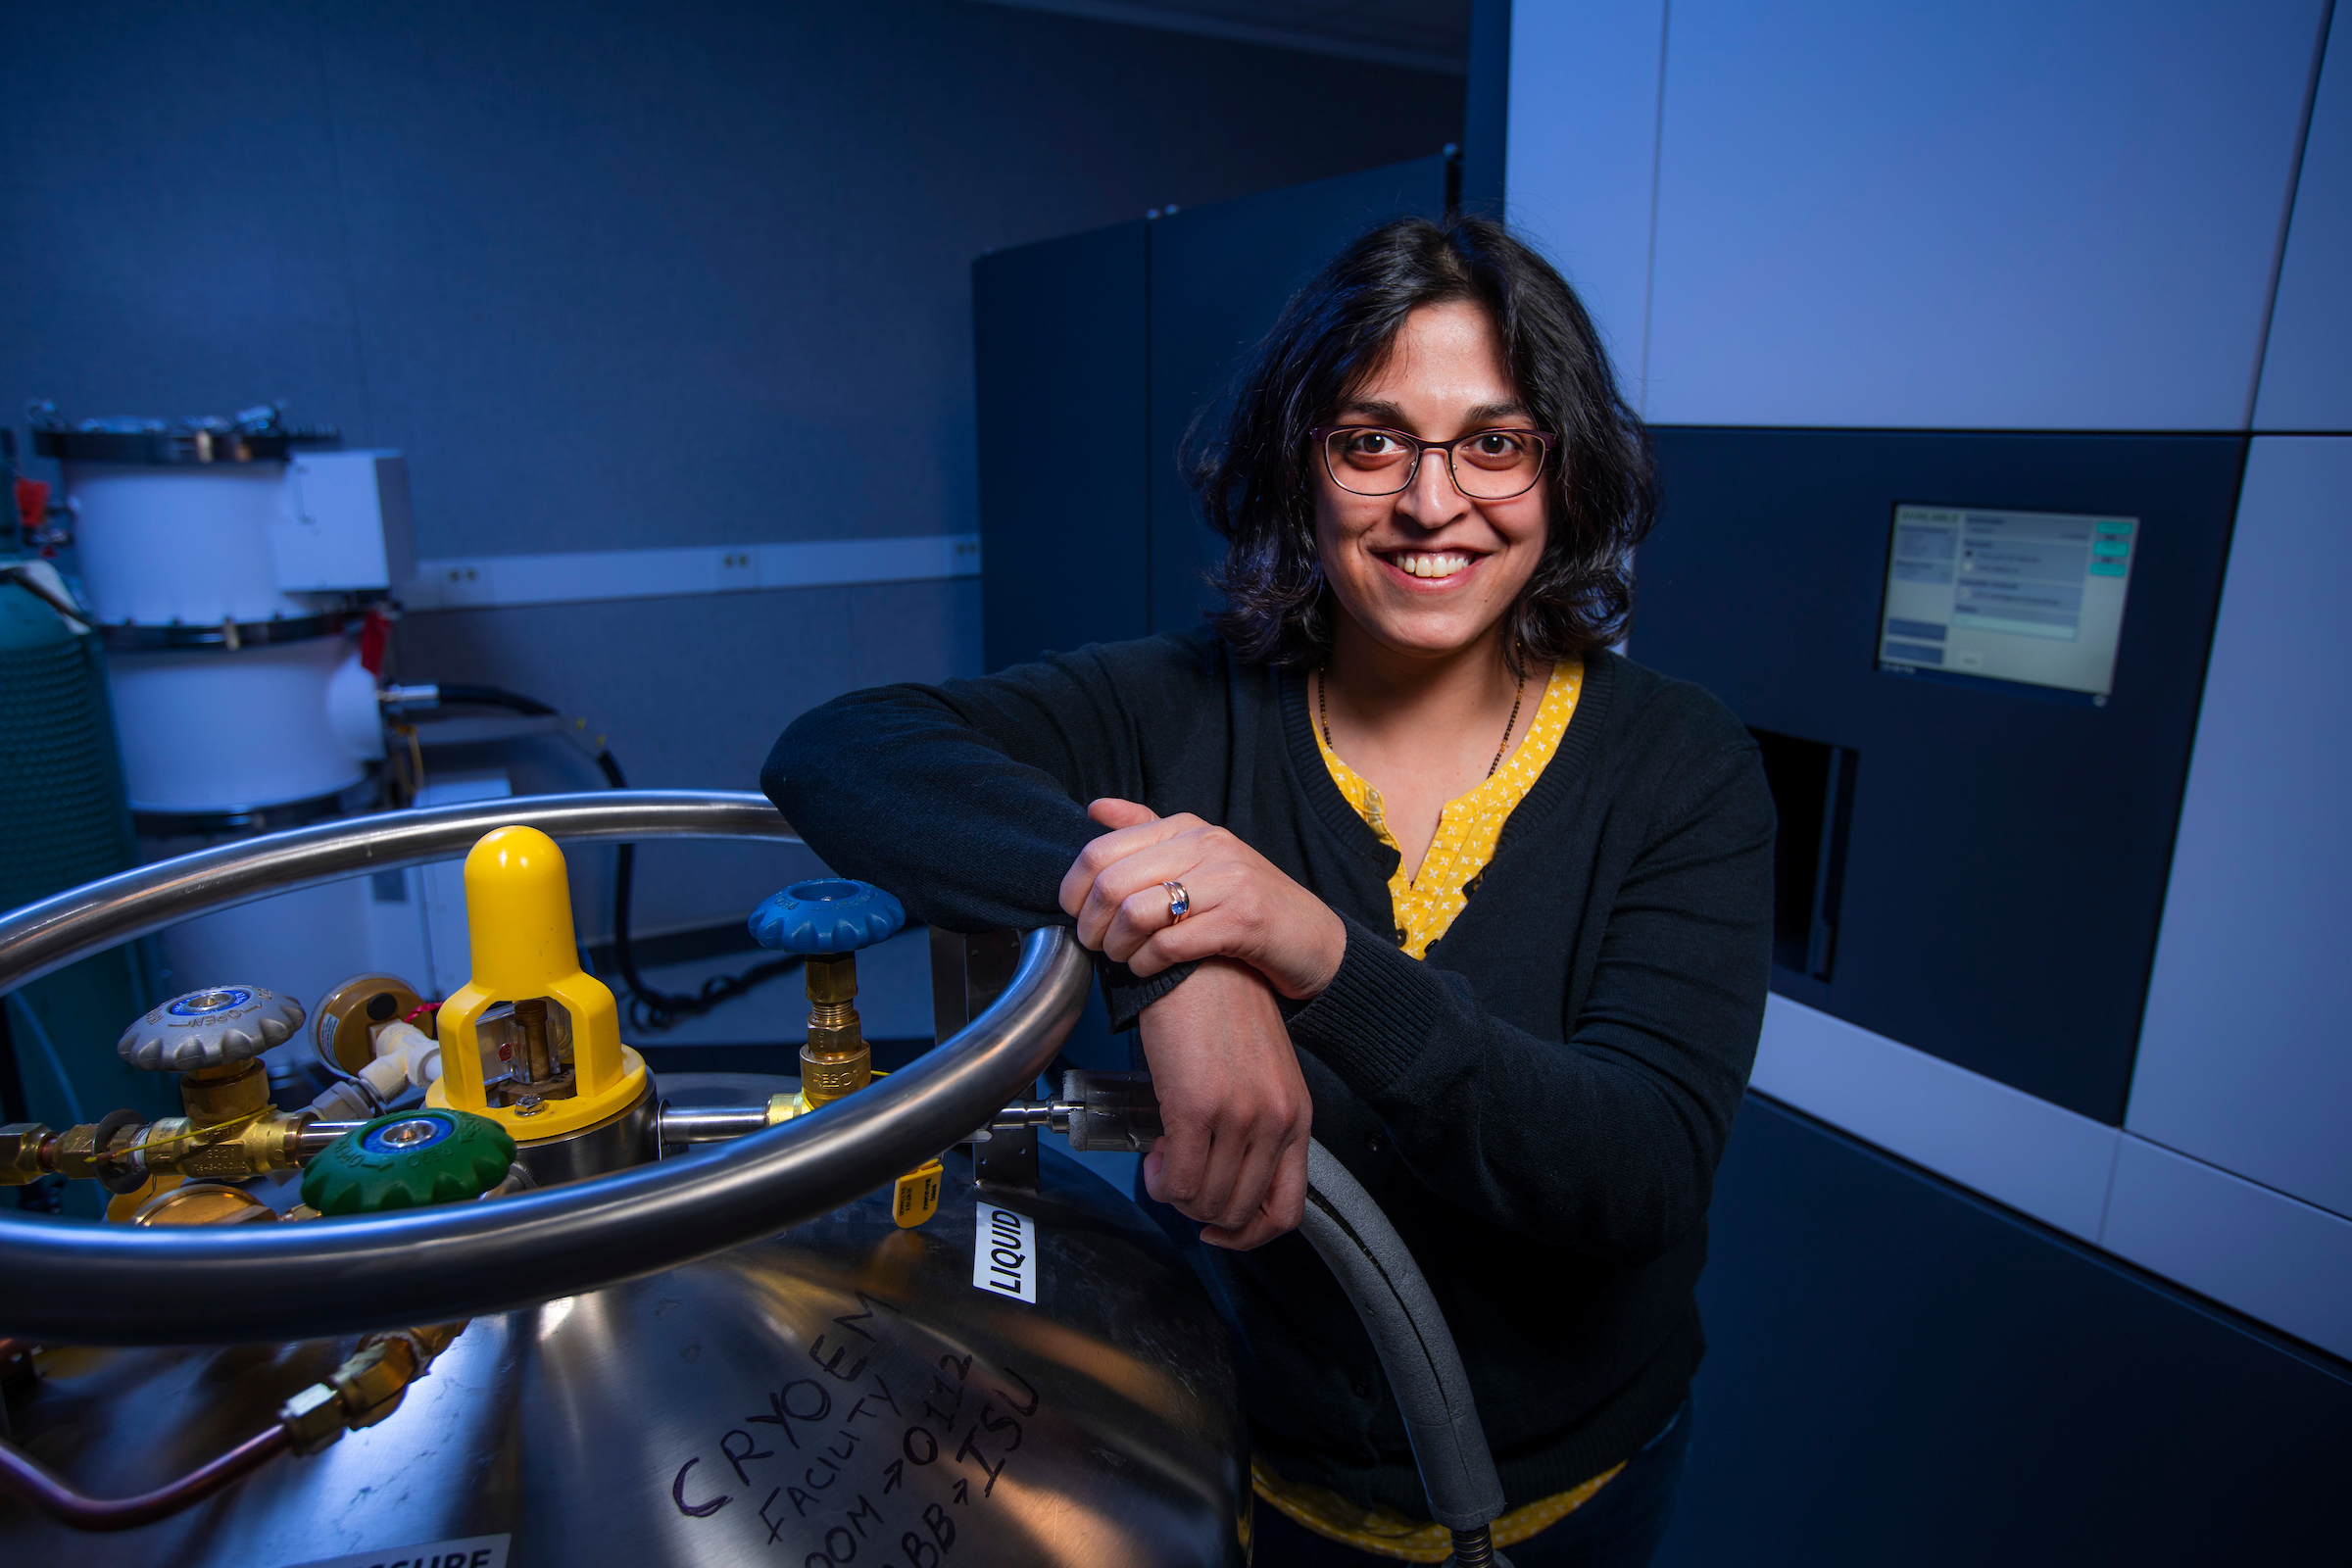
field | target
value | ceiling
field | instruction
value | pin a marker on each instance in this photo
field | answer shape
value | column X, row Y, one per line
column 1419, row 34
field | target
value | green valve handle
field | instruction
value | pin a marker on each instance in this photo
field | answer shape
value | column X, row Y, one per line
column 409, row 1161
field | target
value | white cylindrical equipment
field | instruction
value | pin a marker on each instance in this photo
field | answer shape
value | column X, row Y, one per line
column 224, row 581
column 181, row 544
column 206, row 732
column 226, row 564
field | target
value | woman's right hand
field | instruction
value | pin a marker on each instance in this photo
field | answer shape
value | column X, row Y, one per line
column 1243, row 905
column 1235, row 1108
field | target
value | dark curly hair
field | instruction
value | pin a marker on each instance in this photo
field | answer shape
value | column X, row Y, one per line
column 1256, row 482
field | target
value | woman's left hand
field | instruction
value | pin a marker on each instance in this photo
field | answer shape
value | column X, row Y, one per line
column 1241, row 906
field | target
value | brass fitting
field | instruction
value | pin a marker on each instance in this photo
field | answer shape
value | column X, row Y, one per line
column 214, row 1095
column 313, row 1418
column 201, row 1204
column 275, row 1142
column 172, row 1146
column 21, row 1152
column 832, row 977
column 826, row 1079
column 836, row 1059
column 366, row 1388
column 198, row 1149
column 75, row 1156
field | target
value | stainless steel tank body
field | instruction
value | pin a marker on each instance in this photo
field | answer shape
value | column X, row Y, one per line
column 733, row 1356
column 840, row 1392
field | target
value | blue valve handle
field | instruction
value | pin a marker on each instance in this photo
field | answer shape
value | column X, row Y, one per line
column 830, row 915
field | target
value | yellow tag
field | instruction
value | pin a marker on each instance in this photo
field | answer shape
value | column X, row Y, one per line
column 917, row 1196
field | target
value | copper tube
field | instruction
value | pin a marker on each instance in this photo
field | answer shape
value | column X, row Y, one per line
column 30, row 1481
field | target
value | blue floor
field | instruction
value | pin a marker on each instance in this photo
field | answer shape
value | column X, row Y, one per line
column 1900, row 1373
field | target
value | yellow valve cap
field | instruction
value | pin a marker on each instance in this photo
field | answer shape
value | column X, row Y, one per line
column 518, row 912
column 519, row 918
column 917, row 1198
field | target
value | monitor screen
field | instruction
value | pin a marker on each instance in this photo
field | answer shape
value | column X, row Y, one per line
column 1987, row 598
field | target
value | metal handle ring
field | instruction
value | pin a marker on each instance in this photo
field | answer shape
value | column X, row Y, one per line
column 86, row 1284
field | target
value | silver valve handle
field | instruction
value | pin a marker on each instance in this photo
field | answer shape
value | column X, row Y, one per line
column 209, row 1028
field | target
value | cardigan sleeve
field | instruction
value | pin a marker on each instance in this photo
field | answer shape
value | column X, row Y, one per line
column 1607, row 1143
column 968, row 800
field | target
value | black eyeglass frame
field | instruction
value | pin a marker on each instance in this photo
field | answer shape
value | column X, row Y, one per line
column 1545, row 440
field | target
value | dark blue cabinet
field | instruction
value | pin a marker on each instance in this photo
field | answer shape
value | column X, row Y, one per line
column 2002, row 857
column 1097, row 356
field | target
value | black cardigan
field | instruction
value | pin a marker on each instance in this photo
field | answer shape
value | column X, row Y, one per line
column 1538, row 1107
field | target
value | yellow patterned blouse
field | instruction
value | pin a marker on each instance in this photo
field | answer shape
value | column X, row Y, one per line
column 1425, row 906
column 1426, row 902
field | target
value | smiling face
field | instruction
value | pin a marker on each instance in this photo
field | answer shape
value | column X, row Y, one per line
column 1429, row 572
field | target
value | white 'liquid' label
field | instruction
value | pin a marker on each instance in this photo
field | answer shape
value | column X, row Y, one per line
column 1003, row 1252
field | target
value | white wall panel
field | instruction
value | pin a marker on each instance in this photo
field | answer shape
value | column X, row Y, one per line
column 2245, row 1054
column 584, row 576
column 2307, row 375
column 2287, row 1264
column 2006, row 214
column 2034, row 1156
column 1583, row 119
column 2270, row 1256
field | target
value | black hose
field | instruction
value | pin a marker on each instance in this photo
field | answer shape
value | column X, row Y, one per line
column 493, row 697
column 650, row 1011
column 657, row 1012
column 1417, row 1348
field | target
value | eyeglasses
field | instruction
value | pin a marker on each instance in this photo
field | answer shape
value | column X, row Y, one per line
column 1371, row 460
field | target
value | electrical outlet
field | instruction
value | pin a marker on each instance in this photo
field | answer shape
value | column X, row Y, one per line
column 737, row 567
column 464, row 582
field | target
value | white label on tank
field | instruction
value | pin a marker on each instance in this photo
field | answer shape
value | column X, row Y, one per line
column 1003, row 1252
column 474, row 1552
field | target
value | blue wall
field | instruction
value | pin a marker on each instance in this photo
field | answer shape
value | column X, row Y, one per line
column 618, row 275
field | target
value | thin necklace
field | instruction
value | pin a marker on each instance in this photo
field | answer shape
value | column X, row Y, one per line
column 1323, row 716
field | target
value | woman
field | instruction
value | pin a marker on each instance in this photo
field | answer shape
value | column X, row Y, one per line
column 1396, row 852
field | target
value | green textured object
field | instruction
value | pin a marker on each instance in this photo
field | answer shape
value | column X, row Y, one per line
column 63, row 813
column 409, row 1161
column 65, row 821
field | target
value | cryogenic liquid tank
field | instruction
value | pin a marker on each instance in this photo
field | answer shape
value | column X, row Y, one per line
column 747, row 1352
column 527, row 1312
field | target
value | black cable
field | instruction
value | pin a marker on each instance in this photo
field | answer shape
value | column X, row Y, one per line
column 650, row 1011
column 35, row 587
column 493, row 697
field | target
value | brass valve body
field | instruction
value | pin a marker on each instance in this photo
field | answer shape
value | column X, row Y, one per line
column 212, row 1096
column 836, row 1059
column 190, row 1148
column 183, row 1145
